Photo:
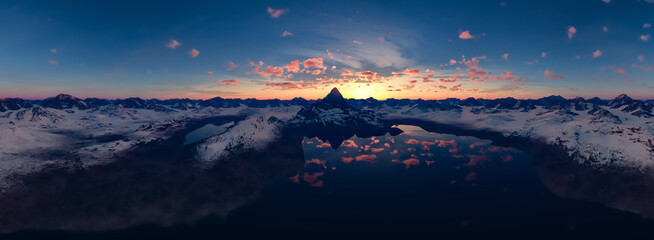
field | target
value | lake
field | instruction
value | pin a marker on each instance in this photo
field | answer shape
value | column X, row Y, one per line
column 418, row 184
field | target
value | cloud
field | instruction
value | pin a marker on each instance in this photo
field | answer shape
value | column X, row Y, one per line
column 644, row 37
column 605, row 29
column 232, row 65
column 277, row 71
column 550, row 75
column 571, row 32
column 429, row 71
column 408, row 71
column 505, row 56
column 412, row 141
column 597, row 53
column 606, row 1
column 647, row 25
column 53, row 50
column 53, row 62
column 543, row 54
column 287, row 33
column 193, row 53
column 347, row 73
column 620, row 70
column 357, row 42
column 411, row 162
column 641, row 58
column 283, row 85
column 209, row 74
column 366, row 74
column 276, row 13
column 466, row 35
column 173, row 44
column 229, row 82
column 313, row 62
column 293, row 66
column 366, row 158
column 475, row 160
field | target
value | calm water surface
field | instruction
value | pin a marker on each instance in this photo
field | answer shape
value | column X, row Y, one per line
column 418, row 183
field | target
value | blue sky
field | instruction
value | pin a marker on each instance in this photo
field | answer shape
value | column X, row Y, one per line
column 488, row 49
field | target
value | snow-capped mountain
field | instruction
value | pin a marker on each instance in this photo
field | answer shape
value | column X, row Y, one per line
column 64, row 130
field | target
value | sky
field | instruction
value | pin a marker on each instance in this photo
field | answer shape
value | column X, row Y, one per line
column 287, row 49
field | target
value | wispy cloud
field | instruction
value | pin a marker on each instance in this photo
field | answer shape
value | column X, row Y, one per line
column 193, row 53
column 597, row 53
column 287, row 34
column 551, row 75
column 229, row 82
column 276, row 13
column 173, row 44
column 571, row 32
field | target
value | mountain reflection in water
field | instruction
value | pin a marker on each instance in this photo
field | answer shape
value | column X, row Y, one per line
column 416, row 183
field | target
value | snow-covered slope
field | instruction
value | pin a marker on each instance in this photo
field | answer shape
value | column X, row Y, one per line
column 65, row 131
column 617, row 135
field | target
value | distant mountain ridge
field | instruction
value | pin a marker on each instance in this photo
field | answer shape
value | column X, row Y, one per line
column 64, row 101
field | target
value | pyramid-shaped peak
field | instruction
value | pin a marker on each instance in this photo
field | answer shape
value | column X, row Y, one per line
column 335, row 93
column 335, row 98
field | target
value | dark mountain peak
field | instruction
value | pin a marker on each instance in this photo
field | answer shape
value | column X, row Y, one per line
column 623, row 97
column 63, row 101
column 335, row 98
column 63, row 96
column 620, row 101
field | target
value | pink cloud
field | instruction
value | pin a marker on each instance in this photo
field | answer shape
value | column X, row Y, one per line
column 412, row 141
column 277, row 71
column 209, row 74
column 644, row 37
column 173, row 44
column 229, row 82
column 408, row 71
column 429, row 71
column 605, row 29
column 550, row 75
column 466, row 35
column 452, row 61
column 641, row 58
column 53, row 50
column 313, row 62
column 411, row 162
column 347, row 73
column 620, row 70
column 287, row 33
column 505, row 56
column 232, row 65
column 276, row 13
column 293, row 66
column 475, row 160
column 366, row 74
column 571, row 32
column 443, row 143
column 283, row 85
column 193, row 53
column 366, row 158
column 53, row 62
column 357, row 42
column 597, row 53
column 543, row 54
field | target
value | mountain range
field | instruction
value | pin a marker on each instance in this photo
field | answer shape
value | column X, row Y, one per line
column 65, row 131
